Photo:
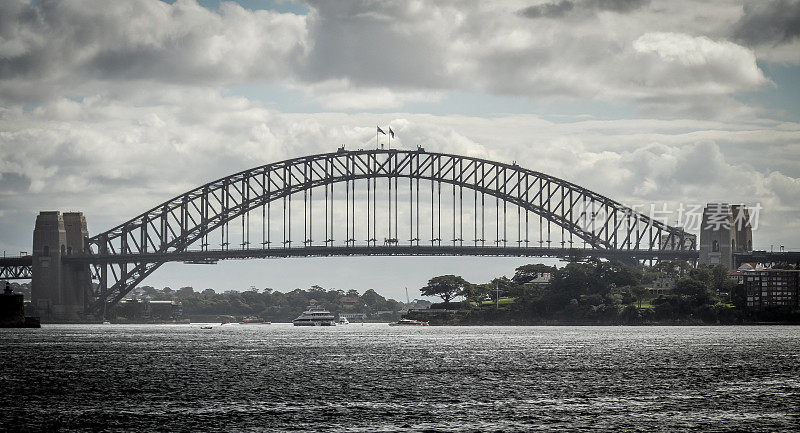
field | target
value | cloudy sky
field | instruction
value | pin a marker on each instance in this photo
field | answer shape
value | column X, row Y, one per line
column 112, row 107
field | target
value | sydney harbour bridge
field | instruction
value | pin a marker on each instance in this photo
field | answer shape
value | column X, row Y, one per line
column 344, row 203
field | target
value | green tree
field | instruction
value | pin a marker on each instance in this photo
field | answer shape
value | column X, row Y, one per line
column 373, row 300
column 698, row 290
column 639, row 292
column 720, row 276
column 617, row 274
column 446, row 287
column 690, row 287
column 739, row 296
column 672, row 268
column 703, row 274
column 506, row 287
column 476, row 293
column 575, row 279
column 185, row 292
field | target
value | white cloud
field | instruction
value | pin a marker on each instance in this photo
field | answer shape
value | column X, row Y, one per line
column 341, row 95
column 786, row 188
column 114, row 160
column 57, row 48
column 368, row 55
column 697, row 66
column 113, row 107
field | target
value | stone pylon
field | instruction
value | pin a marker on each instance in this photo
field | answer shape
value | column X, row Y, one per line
column 725, row 230
column 58, row 291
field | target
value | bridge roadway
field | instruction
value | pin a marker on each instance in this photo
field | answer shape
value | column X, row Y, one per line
column 10, row 267
column 19, row 268
column 198, row 256
column 766, row 257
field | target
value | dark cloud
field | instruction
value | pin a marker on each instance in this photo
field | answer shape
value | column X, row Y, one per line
column 563, row 7
column 27, row 65
column 548, row 10
column 618, row 5
column 12, row 183
column 769, row 22
column 65, row 44
column 378, row 45
column 363, row 53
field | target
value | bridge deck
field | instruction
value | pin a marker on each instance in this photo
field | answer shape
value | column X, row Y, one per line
column 407, row 250
column 16, row 261
column 21, row 262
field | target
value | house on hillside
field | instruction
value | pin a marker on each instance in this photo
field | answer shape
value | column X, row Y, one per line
column 662, row 285
column 349, row 301
column 539, row 279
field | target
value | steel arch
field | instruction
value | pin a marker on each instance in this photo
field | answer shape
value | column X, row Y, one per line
column 180, row 222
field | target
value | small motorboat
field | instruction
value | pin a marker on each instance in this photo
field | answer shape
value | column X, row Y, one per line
column 408, row 322
column 206, row 327
column 254, row 321
column 343, row 321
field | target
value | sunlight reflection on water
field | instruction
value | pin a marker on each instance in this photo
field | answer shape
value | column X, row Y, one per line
column 375, row 377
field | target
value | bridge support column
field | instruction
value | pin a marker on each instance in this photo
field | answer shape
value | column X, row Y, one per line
column 58, row 291
column 104, row 287
column 725, row 230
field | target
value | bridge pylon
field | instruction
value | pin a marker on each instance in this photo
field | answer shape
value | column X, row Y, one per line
column 59, row 291
column 725, row 231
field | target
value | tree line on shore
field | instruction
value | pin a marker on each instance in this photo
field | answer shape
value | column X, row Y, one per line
column 602, row 292
column 271, row 304
column 589, row 292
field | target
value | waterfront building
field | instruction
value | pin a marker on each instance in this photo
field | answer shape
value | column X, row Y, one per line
column 385, row 313
column 662, row 285
column 349, row 301
column 540, row 279
column 135, row 294
column 736, row 275
column 148, row 310
column 12, row 310
column 772, row 288
column 163, row 310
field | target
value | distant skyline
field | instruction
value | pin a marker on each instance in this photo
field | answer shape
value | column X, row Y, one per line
column 110, row 108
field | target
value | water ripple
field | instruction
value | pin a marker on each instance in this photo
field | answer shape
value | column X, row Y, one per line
column 360, row 378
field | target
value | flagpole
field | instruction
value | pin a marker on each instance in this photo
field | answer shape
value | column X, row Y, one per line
column 378, row 130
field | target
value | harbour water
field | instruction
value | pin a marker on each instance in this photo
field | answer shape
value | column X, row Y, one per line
column 374, row 377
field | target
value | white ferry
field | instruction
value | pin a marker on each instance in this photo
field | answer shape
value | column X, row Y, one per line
column 408, row 322
column 315, row 317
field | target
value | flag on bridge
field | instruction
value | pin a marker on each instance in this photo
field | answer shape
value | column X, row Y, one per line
column 391, row 133
column 381, row 131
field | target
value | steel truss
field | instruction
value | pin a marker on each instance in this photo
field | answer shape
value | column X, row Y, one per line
column 16, row 268
column 187, row 220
